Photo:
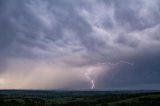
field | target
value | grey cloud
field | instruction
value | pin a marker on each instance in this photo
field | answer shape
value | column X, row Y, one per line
column 83, row 33
column 137, row 14
column 144, row 71
column 127, row 41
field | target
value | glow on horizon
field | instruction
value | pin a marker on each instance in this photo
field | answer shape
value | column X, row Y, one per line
column 2, row 82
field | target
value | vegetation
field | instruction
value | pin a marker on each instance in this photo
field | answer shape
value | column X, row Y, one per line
column 78, row 98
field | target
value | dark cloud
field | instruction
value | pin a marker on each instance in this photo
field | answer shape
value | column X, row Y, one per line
column 137, row 14
column 127, row 41
column 142, row 75
column 81, row 34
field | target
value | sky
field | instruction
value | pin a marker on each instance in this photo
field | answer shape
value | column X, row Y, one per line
column 80, row 44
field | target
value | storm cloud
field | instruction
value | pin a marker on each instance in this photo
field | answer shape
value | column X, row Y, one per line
column 48, row 44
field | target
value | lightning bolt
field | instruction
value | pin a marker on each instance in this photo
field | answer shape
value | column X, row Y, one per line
column 89, row 73
column 121, row 62
column 93, row 85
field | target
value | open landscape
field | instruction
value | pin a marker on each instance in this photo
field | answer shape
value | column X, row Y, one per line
column 79, row 52
column 78, row 98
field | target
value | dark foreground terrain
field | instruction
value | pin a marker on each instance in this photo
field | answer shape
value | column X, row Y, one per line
column 78, row 98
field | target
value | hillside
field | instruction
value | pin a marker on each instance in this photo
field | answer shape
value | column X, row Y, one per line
column 78, row 98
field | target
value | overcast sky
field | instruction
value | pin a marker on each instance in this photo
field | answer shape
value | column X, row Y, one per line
column 80, row 44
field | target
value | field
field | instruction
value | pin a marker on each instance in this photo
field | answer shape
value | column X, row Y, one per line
column 78, row 98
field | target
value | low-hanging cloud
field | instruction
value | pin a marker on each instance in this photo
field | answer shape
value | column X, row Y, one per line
column 51, row 44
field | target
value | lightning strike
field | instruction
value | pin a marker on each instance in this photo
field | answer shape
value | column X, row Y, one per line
column 121, row 62
column 92, row 87
column 90, row 71
column 88, row 76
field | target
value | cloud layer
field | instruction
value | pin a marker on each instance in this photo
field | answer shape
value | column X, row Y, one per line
column 52, row 44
